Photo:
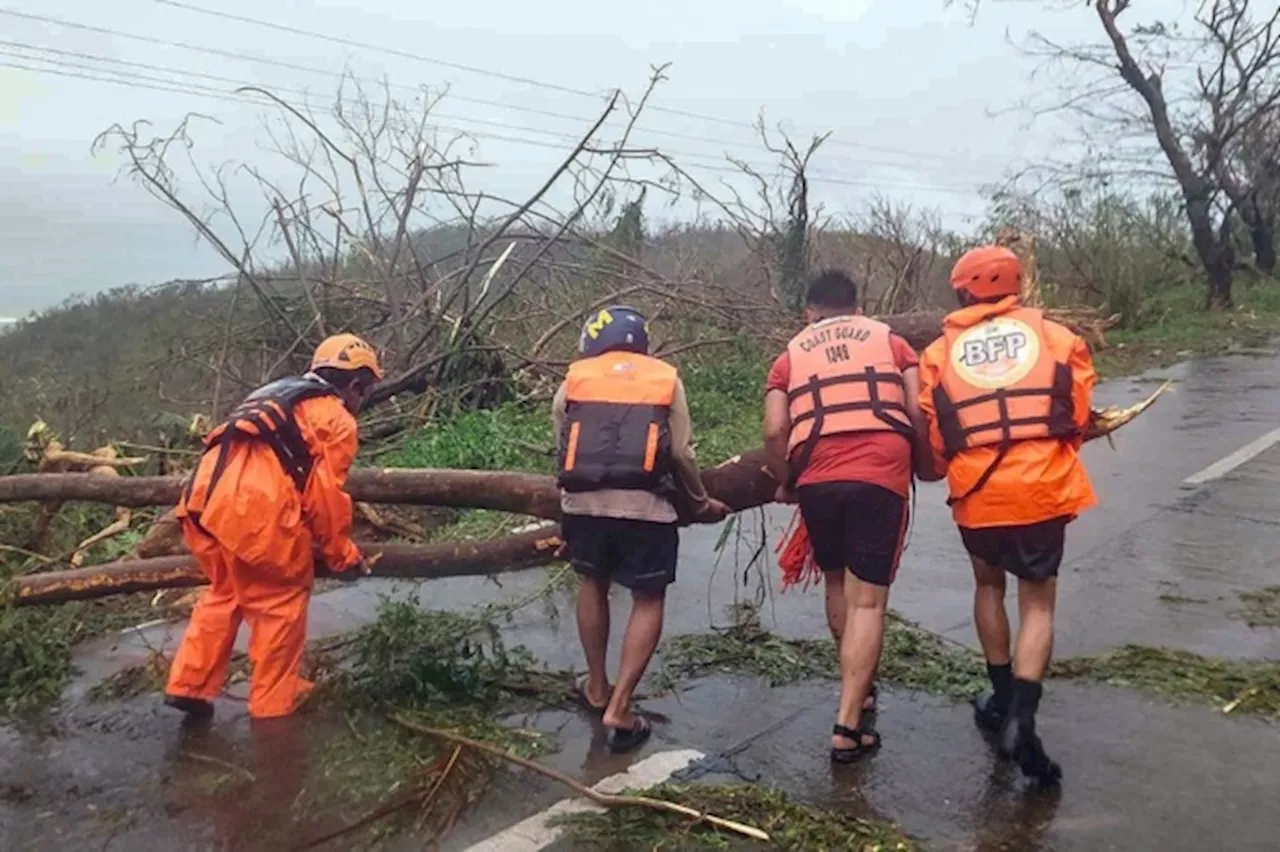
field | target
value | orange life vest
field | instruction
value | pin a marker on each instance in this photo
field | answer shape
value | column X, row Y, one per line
column 1001, row 384
column 844, row 378
column 266, row 416
column 617, row 431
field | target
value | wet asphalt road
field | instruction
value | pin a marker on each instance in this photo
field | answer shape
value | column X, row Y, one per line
column 1140, row 773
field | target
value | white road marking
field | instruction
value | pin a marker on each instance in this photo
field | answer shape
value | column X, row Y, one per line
column 1225, row 465
column 536, row 832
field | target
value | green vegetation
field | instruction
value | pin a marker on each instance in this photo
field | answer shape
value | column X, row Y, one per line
column 1171, row 327
column 918, row 659
column 724, row 401
column 912, row 657
column 791, row 825
column 1183, row 676
column 511, row 437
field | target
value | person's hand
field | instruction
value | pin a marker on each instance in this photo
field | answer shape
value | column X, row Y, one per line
column 783, row 494
column 363, row 568
column 713, row 511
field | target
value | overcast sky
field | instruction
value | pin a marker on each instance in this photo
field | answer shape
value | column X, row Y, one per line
column 907, row 86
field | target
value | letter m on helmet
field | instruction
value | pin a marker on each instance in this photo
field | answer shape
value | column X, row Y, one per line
column 595, row 326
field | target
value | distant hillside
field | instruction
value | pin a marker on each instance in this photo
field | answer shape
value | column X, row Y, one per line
column 131, row 363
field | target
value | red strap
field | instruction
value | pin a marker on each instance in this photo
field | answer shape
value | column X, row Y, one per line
column 795, row 556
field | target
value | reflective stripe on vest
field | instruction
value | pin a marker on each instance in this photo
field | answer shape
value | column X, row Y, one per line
column 1001, row 384
column 844, row 378
column 266, row 416
column 617, row 431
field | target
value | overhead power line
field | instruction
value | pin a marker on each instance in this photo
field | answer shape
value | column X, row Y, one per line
column 62, row 67
column 511, row 78
column 580, row 120
column 336, row 75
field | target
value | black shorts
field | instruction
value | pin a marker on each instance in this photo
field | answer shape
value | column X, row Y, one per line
column 640, row 555
column 855, row 525
column 1030, row 552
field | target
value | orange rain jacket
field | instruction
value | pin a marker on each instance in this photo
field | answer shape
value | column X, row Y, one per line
column 254, row 533
column 1039, row 478
column 257, row 512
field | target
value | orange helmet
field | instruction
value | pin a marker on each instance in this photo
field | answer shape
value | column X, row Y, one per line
column 346, row 352
column 988, row 272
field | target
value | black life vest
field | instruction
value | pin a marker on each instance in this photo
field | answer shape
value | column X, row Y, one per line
column 267, row 415
column 617, row 429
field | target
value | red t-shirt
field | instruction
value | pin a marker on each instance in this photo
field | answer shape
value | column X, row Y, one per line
column 880, row 458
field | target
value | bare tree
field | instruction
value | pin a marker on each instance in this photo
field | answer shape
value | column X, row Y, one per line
column 1208, row 128
column 903, row 251
column 774, row 219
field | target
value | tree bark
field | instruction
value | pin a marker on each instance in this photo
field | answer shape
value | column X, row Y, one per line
column 433, row 561
column 740, row 482
column 1197, row 189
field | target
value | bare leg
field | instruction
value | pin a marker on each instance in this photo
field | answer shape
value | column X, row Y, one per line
column 989, row 614
column 836, row 604
column 593, row 630
column 644, row 629
column 860, row 654
column 1036, row 603
column 1035, row 646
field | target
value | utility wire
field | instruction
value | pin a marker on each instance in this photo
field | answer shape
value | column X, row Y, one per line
column 511, row 78
column 64, row 68
column 580, row 119
column 27, row 48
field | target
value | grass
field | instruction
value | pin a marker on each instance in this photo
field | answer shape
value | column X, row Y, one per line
column 790, row 824
column 1173, row 327
column 912, row 657
column 1261, row 608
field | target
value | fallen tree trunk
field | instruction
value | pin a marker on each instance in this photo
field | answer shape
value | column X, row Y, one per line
column 740, row 482
column 432, row 561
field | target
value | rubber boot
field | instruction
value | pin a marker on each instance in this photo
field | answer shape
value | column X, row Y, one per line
column 991, row 709
column 196, row 708
column 1019, row 741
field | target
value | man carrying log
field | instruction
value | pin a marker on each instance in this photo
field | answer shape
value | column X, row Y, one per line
column 841, row 427
column 267, row 495
column 1006, row 393
column 625, row 459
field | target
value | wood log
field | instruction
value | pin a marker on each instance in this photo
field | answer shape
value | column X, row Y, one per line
column 741, row 482
column 431, row 561
column 519, row 493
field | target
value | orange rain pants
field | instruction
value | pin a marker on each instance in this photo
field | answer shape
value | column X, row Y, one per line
column 254, row 536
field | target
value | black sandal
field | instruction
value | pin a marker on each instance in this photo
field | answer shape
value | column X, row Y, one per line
column 623, row 740
column 580, row 696
column 857, row 752
column 873, row 697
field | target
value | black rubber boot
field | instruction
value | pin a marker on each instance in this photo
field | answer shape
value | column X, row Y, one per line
column 195, row 708
column 991, row 709
column 1019, row 741
column 988, row 714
